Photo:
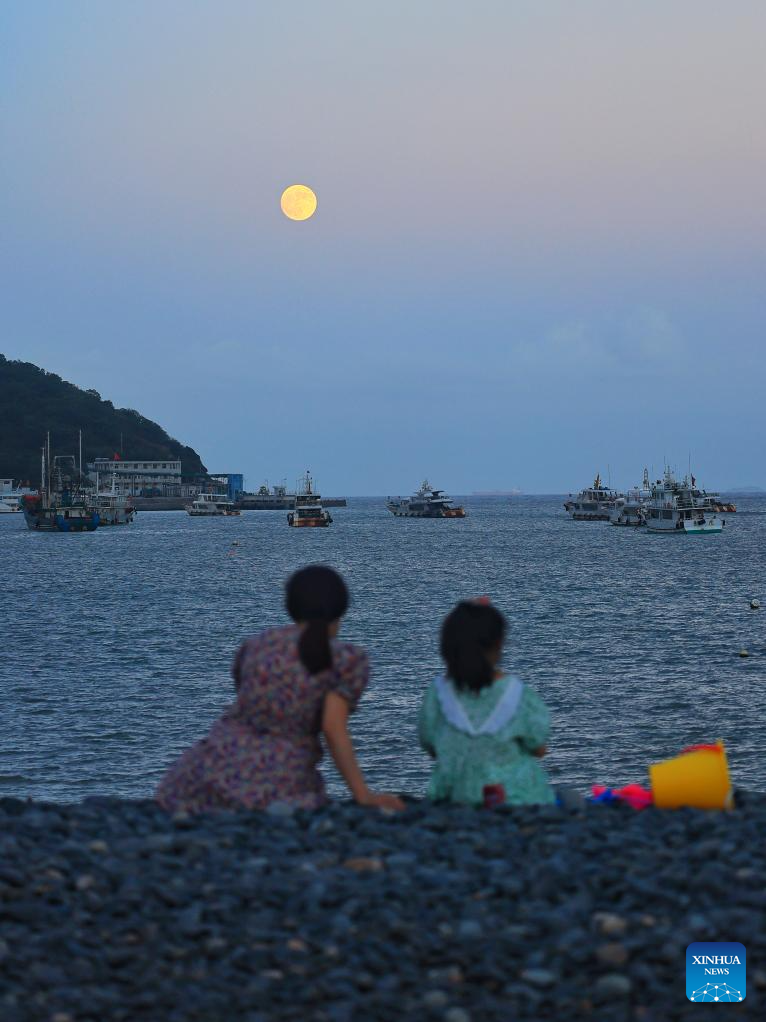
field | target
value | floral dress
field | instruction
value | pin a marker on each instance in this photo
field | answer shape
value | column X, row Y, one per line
column 265, row 747
column 485, row 737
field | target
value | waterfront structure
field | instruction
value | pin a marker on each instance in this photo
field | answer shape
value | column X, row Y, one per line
column 277, row 498
column 144, row 477
column 426, row 503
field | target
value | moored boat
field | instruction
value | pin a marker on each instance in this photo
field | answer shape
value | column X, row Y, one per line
column 308, row 512
column 675, row 510
column 10, row 496
column 63, row 512
column 113, row 508
column 426, row 503
column 59, row 506
column 209, row 505
column 594, row 504
column 630, row 510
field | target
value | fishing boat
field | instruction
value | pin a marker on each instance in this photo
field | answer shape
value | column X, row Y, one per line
column 594, row 504
column 308, row 512
column 59, row 506
column 630, row 510
column 674, row 510
column 208, row 505
column 113, row 508
column 426, row 503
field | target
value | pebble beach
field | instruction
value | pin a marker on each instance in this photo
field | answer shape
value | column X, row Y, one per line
column 113, row 911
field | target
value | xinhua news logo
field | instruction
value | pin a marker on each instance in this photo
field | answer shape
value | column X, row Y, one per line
column 715, row 972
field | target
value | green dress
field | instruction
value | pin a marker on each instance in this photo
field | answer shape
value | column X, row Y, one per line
column 470, row 752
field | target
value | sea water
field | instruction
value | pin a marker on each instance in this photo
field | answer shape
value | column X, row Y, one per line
column 115, row 646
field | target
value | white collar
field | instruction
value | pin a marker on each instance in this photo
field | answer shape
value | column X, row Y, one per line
column 503, row 713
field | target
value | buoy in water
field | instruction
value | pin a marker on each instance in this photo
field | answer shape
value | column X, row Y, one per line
column 755, row 604
column 743, row 653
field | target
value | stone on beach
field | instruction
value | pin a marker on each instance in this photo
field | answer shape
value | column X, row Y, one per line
column 114, row 911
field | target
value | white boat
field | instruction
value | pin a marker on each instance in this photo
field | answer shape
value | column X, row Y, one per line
column 308, row 512
column 630, row 510
column 675, row 510
column 426, row 503
column 208, row 505
column 113, row 508
column 10, row 497
column 594, row 504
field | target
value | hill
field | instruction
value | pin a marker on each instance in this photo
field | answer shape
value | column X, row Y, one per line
column 35, row 402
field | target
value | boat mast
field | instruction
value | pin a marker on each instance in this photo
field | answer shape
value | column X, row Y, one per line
column 42, row 470
column 48, row 463
column 80, row 455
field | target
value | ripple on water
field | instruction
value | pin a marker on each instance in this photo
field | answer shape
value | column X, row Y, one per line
column 117, row 646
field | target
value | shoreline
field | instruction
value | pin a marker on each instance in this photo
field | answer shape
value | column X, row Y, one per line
column 113, row 910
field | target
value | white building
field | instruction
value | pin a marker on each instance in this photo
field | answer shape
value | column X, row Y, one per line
column 140, row 478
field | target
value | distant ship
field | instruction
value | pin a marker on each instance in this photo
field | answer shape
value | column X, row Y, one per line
column 594, row 504
column 426, row 503
column 308, row 512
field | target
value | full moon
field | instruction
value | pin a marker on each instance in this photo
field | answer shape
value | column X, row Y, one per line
column 298, row 202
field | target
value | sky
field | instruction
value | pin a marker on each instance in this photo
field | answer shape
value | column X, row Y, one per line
column 539, row 250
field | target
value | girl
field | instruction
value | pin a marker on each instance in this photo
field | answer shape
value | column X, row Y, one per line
column 292, row 684
column 483, row 727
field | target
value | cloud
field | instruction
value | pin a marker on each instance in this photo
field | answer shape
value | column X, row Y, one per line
column 643, row 340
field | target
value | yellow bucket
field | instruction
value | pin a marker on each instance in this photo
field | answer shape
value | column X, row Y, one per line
column 698, row 777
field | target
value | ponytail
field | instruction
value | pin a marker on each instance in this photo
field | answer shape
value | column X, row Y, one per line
column 469, row 635
column 314, row 647
column 316, row 596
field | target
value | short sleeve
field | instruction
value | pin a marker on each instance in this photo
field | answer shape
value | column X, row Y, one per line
column 536, row 721
column 350, row 673
column 425, row 721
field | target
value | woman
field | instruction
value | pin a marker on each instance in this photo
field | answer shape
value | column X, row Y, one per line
column 484, row 728
column 292, row 684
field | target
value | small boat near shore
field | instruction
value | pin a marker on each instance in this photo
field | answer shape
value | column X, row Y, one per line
column 113, row 508
column 10, row 496
column 426, row 503
column 211, row 505
column 60, row 506
column 62, row 512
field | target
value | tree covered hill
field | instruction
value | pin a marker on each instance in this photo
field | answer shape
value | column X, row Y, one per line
column 34, row 402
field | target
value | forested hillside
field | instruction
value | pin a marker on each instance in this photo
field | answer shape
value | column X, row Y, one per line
column 34, row 402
